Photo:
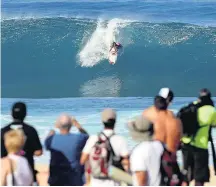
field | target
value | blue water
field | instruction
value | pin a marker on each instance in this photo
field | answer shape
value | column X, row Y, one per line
column 58, row 49
column 55, row 49
column 42, row 114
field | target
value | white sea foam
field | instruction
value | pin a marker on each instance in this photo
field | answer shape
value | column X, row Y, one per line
column 97, row 47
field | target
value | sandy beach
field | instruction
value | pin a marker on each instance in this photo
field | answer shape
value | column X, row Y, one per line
column 43, row 173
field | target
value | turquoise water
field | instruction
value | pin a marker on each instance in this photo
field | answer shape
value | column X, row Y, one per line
column 42, row 114
column 56, row 49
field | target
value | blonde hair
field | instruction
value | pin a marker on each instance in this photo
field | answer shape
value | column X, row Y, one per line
column 14, row 141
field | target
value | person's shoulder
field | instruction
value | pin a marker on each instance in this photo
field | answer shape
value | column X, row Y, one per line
column 28, row 127
column 93, row 138
column 4, row 160
column 23, row 159
column 150, row 113
column 50, row 137
column 171, row 113
column 141, row 150
column 5, row 163
column 83, row 136
column 158, row 146
column 80, row 136
column 118, row 137
column 147, row 110
column 24, row 162
column 144, row 146
column 6, row 128
column 90, row 143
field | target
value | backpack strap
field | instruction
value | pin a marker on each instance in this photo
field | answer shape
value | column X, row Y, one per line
column 12, row 172
column 108, row 140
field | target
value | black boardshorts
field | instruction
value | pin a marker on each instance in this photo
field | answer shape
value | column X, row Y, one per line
column 195, row 164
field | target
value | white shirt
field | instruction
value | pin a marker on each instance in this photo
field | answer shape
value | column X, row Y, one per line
column 22, row 174
column 147, row 157
column 120, row 148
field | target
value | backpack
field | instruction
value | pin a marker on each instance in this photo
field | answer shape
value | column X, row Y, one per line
column 189, row 119
column 100, row 158
column 169, row 168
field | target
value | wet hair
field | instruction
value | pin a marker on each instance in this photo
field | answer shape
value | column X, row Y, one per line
column 160, row 103
column 19, row 111
column 110, row 124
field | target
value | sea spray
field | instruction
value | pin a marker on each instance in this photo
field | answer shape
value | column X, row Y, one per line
column 97, row 47
column 44, row 54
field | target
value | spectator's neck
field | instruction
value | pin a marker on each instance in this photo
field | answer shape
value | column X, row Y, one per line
column 109, row 129
column 13, row 153
column 18, row 121
column 64, row 132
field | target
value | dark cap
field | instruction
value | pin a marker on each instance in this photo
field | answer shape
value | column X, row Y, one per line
column 19, row 111
column 204, row 93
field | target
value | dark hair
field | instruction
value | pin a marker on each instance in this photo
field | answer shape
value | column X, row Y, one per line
column 204, row 93
column 205, row 97
column 110, row 124
column 19, row 111
column 170, row 96
column 160, row 103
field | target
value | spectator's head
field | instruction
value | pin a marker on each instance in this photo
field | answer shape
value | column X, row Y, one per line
column 14, row 141
column 108, row 117
column 204, row 93
column 64, row 123
column 19, row 111
column 205, row 96
column 163, row 99
column 141, row 129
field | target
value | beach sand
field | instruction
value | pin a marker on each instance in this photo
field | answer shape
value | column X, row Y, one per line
column 43, row 173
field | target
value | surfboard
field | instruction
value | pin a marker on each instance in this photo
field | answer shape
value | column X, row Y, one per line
column 113, row 56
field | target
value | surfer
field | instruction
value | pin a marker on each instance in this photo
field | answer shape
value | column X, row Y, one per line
column 113, row 53
column 115, row 46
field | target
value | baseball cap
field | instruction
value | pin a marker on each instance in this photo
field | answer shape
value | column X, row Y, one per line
column 166, row 93
column 108, row 114
column 19, row 110
column 140, row 129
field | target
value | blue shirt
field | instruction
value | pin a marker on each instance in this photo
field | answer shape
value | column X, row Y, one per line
column 65, row 168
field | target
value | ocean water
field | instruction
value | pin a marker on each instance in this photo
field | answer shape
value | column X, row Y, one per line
column 54, row 57
column 55, row 49
column 42, row 114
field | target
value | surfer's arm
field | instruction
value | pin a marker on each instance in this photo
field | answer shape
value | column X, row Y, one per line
column 113, row 45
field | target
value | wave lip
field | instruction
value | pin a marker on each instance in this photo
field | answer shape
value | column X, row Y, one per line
column 165, row 54
column 97, row 46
